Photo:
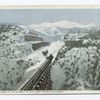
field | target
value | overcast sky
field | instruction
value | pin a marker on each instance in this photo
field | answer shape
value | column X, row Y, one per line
column 35, row 16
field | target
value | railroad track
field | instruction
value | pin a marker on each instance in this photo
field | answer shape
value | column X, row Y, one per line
column 31, row 83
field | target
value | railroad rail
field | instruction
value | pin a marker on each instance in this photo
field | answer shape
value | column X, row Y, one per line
column 31, row 83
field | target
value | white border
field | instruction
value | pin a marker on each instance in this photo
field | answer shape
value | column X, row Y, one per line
column 50, row 2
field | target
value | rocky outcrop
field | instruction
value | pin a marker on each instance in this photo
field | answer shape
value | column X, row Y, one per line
column 32, row 38
column 38, row 45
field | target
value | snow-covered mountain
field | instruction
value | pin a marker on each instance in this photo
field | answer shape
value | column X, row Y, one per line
column 78, row 56
column 57, row 30
column 63, row 24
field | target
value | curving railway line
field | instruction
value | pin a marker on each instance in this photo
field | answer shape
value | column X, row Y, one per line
column 33, row 83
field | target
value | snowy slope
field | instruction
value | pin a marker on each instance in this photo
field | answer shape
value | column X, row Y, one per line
column 79, row 67
column 16, row 55
column 78, row 63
